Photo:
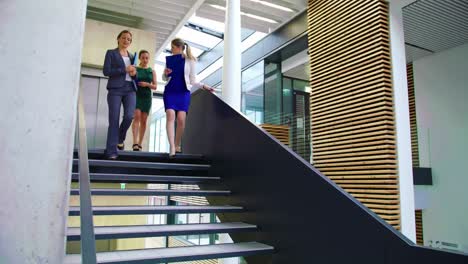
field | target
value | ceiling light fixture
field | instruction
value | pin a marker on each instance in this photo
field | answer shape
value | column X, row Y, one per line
column 248, row 15
column 273, row 5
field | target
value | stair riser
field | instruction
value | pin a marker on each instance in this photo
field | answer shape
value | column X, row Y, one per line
column 148, row 157
column 115, row 178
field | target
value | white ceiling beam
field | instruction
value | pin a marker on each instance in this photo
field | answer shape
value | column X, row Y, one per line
column 195, row 5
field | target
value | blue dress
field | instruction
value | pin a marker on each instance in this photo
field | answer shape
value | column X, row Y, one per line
column 176, row 96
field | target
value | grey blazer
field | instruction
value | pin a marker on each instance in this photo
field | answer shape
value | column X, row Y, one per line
column 114, row 68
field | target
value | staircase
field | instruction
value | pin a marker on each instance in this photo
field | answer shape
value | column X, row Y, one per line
column 147, row 168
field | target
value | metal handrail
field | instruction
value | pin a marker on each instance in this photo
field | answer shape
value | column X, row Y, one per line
column 88, row 241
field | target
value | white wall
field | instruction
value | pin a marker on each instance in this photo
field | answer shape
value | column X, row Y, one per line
column 441, row 88
column 101, row 36
column 40, row 47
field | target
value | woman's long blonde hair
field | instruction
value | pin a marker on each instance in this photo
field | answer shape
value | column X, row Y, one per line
column 178, row 42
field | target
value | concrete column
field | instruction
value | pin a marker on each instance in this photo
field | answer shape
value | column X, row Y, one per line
column 231, row 92
column 40, row 47
column 403, row 129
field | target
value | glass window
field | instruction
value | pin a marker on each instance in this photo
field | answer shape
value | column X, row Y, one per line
column 300, row 85
column 194, row 218
column 210, row 69
column 247, row 43
column 198, row 37
column 273, row 94
column 152, row 136
column 158, row 137
column 252, row 39
column 207, row 23
column 181, row 219
column 204, row 240
column 287, row 101
column 252, row 93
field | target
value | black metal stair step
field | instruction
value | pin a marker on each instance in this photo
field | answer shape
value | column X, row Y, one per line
column 146, row 156
column 145, row 165
column 158, row 209
column 119, row 232
column 153, row 192
column 146, row 256
column 135, row 178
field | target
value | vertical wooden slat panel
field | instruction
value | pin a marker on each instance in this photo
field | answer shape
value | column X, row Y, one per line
column 412, row 111
column 191, row 200
column 351, row 102
column 419, row 228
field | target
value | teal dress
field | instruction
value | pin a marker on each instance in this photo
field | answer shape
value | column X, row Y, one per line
column 144, row 95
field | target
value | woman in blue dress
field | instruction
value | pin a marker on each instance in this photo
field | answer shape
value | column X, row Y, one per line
column 180, row 80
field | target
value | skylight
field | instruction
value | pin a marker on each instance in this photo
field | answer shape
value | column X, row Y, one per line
column 198, row 37
column 207, row 23
column 247, row 43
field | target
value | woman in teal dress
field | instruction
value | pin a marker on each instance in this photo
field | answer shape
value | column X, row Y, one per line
column 144, row 97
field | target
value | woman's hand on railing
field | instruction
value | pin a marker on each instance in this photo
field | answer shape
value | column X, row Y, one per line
column 208, row 88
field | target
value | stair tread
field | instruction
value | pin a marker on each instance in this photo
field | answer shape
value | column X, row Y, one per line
column 178, row 253
column 152, row 192
column 144, row 165
column 114, row 232
column 156, row 209
column 145, row 178
column 147, row 154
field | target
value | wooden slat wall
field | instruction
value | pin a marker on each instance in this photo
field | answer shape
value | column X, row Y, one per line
column 279, row 132
column 351, row 102
column 412, row 111
column 191, row 200
column 419, row 228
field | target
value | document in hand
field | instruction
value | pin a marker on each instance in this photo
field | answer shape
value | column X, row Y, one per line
column 135, row 59
column 175, row 63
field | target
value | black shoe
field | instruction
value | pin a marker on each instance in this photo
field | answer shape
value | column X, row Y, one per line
column 120, row 146
column 112, row 157
column 136, row 147
column 178, row 149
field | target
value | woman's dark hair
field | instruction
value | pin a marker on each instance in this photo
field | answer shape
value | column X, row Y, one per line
column 142, row 52
column 123, row 32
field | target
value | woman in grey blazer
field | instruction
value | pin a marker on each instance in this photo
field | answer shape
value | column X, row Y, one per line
column 119, row 67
